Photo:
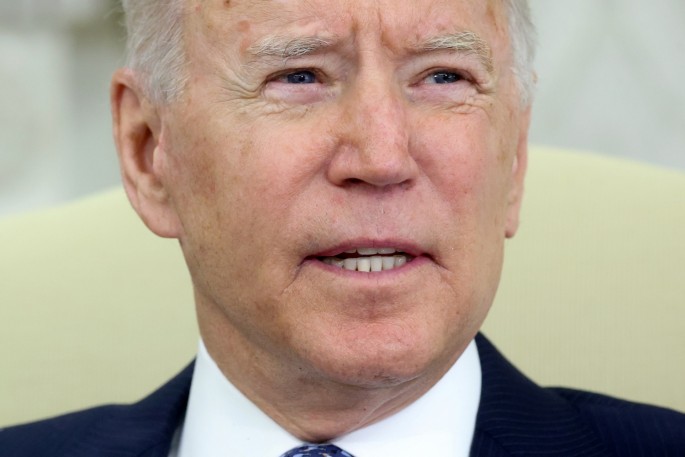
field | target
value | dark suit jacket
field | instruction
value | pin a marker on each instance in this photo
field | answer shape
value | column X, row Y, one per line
column 516, row 418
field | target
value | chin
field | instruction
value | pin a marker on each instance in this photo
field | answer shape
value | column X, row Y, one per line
column 377, row 362
column 375, row 376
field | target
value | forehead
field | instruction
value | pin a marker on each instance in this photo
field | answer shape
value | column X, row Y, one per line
column 396, row 24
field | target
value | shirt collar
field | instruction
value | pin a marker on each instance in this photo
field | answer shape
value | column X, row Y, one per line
column 221, row 421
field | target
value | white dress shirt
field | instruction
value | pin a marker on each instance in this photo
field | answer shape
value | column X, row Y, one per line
column 220, row 421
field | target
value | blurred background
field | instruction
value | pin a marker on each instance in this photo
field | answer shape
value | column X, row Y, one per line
column 611, row 80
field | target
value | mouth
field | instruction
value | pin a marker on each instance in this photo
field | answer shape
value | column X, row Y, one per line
column 368, row 260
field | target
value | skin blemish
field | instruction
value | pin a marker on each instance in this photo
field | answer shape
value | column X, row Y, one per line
column 243, row 26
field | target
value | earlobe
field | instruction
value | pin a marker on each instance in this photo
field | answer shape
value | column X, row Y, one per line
column 137, row 134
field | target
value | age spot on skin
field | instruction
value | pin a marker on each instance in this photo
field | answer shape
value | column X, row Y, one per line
column 243, row 26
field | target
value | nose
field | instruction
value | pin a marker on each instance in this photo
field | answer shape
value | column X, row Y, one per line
column 373, row 138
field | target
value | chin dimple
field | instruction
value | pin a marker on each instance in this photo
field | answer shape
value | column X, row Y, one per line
column 368, row 260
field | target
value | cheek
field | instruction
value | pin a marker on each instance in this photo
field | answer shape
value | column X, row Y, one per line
column 242, row 191
column 462, row 157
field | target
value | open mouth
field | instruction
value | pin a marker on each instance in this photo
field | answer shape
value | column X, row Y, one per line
column 368, row 260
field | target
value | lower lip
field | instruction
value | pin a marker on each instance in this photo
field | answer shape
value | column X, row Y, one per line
column 415, row 263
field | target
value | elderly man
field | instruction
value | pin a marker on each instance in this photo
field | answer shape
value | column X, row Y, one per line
column 341, row 176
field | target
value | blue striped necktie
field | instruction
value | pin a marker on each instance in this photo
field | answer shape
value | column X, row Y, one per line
column 317, row 450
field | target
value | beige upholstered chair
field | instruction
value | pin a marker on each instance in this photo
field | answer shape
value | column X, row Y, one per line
column 95, row 309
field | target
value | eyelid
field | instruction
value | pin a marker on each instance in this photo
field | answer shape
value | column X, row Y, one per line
column 278, row 90
column 469, row 67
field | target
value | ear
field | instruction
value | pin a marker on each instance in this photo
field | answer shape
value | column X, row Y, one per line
column 518, row 174
column 137, row 134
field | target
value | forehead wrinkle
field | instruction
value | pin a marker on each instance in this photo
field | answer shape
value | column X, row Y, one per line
column 461, row 42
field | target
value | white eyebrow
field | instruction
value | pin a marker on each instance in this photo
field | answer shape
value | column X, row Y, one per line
column 288, row 47
column 462, row 42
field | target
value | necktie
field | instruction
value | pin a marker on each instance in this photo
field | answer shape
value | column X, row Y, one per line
column 317, row 450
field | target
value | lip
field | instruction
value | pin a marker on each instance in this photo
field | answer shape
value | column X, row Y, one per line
column 419, row 255
column 400, row 245
column 416, row 262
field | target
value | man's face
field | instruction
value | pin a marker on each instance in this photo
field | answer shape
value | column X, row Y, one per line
column 314, row 133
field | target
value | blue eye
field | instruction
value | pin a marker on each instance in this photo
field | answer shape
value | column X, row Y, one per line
column 446, row 77
column 301, row 77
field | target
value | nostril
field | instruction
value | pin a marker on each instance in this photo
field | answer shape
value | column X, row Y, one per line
column 357, row 183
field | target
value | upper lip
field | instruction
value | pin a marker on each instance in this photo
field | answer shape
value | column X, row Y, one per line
column 400, row 246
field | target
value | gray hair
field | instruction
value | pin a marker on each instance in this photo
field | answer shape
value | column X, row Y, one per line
column 523, row 41
column 155, row 48
column 156, row 52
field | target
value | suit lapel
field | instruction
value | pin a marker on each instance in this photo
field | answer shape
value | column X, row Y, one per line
column 516, row 417
column 144, row 429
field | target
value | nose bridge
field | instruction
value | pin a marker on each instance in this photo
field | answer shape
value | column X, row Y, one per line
column 380, row 118
column 375, row 133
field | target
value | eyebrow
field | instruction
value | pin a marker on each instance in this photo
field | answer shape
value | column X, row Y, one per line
column 285, row 47
column 288, row 47
column 461, row 42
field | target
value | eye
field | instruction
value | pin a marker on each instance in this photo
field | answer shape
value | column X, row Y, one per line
column 300, row 77
column 297, row 86
column 444, row 77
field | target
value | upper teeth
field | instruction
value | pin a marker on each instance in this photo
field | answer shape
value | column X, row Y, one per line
column 377, row 259
column 374, row 251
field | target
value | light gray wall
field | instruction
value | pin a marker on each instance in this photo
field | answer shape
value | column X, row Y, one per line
column 55, row 65
column 611, row 78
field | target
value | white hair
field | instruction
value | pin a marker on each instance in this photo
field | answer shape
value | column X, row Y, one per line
column 523, row 41
column 156, row 52
column 155, row 48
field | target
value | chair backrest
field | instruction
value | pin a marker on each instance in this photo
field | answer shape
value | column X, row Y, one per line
column 95, row 309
